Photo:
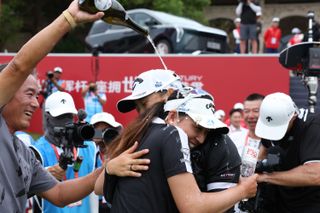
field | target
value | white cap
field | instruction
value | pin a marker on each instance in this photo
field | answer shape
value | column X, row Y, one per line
column 106, row 118
column 59, row 103
column 219, row 114
column 276, row 111
column 57, row 69
column 147, row 83
column 237, row 20
column 201, row 110
column 275, row 19
column 295, row 30
column 238, row 106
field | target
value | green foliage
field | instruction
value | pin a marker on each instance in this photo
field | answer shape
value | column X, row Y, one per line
column 10, row 22
column 30, row 16
column 171, row 6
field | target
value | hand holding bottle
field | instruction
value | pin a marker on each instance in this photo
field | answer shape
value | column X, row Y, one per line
column 249, row 185
column 81, row 16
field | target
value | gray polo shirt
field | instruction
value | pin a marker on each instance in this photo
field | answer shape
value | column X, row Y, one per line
column 20, row 172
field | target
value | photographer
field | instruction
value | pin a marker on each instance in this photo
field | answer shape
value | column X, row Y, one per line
column 93, row 100
column 247, row 10
column 297, row 134
column 53, row 83
column 106, row 129
column 59, row 112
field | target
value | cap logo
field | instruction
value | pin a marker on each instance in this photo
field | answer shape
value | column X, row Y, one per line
column 269, row 119
column 136, row 81
column 209, row 106
column 158, row 84
column 63, row 101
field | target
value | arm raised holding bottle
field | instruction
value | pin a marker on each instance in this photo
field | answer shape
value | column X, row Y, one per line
column 16, row 72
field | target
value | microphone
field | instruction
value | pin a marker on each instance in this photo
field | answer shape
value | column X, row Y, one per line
column 82, row 114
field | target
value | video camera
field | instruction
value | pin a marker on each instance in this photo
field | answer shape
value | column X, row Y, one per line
column 73, row 135
column 50, row 74
column 304, row 59
column 107, row 135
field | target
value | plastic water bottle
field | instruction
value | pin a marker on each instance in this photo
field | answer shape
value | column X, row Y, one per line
column 249, row 158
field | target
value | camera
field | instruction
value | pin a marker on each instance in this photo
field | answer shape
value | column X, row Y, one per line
column 50, row 74
column 270, row 164
column 72, row 135
column 92, row 87
column 106, row 135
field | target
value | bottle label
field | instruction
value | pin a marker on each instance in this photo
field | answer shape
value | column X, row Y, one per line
column 250, row 154
column 103, row 5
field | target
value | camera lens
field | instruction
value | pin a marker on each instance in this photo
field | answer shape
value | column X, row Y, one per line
column 109, row 134
column 85, row 131
column 50, row 74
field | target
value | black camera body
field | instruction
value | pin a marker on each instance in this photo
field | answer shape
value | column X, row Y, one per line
column 74, row 134
column 107, row 135
column 92, row 88
column 50, row 74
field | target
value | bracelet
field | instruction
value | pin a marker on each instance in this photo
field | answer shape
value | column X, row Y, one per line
column 69, row 18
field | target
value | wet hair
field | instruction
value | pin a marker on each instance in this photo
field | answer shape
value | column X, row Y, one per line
column 254, row 97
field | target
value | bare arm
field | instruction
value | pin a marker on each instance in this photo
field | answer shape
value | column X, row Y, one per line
column 60, row 88
column 56, row 171
column 101, row 101
column 18, row 69
column 72, row 190
column 126, row 164
column 191, row 199
column 304, row 175
column 84, row 91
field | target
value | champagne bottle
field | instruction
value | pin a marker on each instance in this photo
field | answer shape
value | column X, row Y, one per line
column 114, row 13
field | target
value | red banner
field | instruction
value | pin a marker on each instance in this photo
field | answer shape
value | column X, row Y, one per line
column 230, row 78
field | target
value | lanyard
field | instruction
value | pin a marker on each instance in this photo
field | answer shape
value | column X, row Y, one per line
column 76, row 175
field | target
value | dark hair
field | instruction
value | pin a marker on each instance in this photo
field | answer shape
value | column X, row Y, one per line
column 235, row 110
column 254, row 97
column 135, row 130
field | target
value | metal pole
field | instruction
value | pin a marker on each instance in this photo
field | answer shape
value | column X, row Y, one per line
column 311, row 81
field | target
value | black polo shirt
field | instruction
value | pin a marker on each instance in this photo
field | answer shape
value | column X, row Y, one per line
column 218, row 167
column 300, row 145
column 169, row 156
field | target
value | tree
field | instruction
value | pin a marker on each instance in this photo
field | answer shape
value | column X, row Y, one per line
column 33, row 15
column 10, row 21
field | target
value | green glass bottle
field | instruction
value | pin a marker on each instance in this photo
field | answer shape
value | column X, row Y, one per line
column 114, row 13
